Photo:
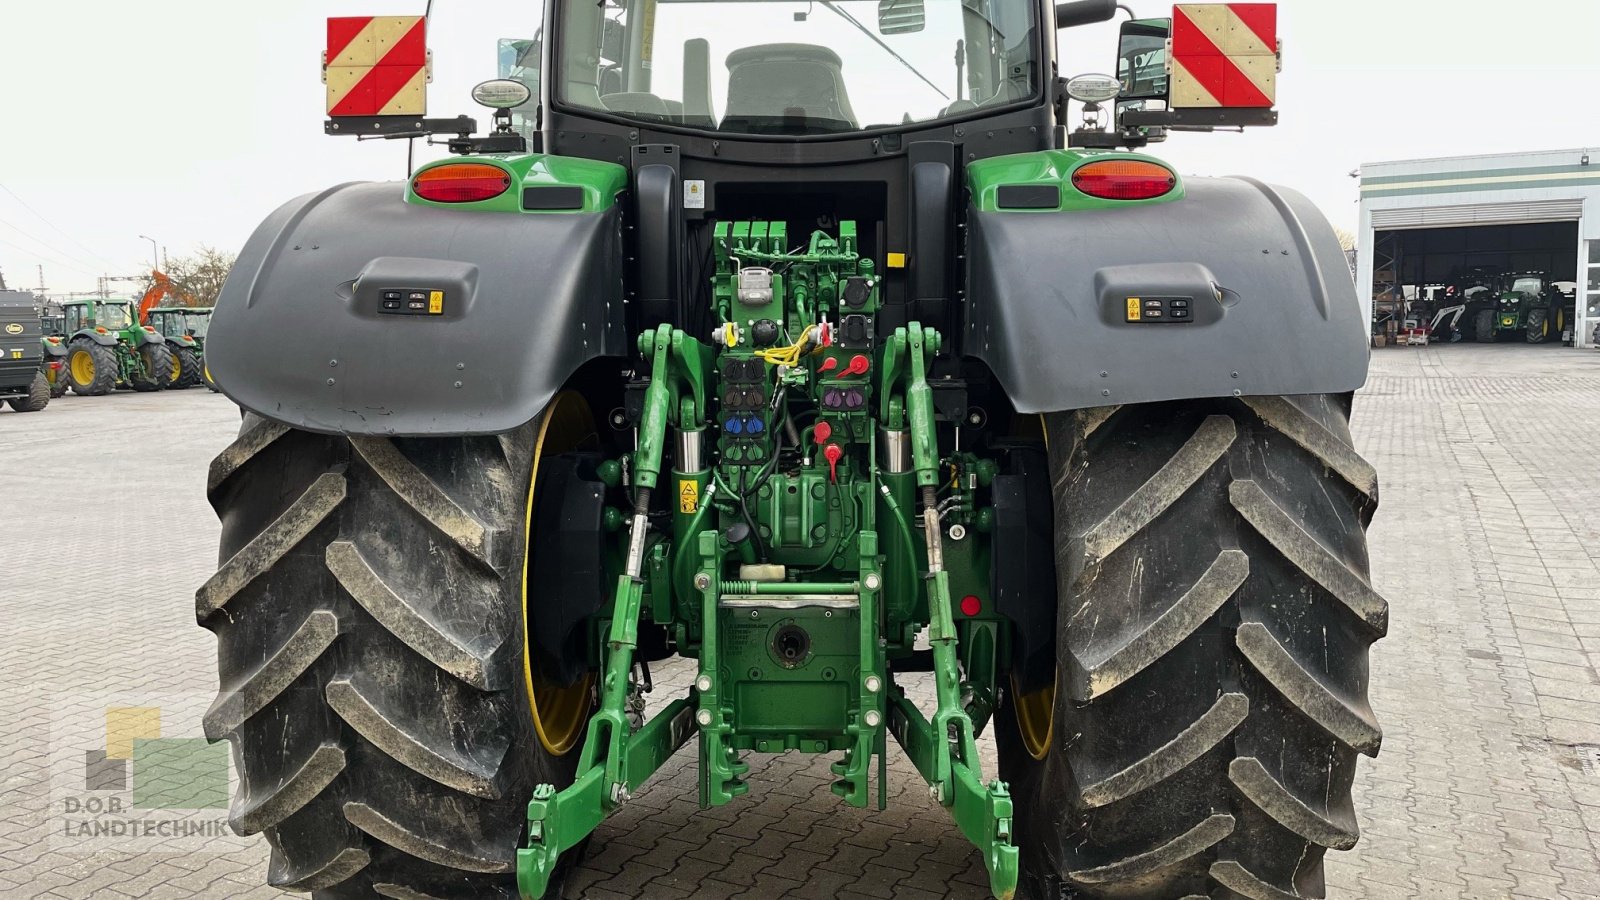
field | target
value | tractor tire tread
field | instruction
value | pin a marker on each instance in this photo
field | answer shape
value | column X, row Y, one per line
column 364, row 647
column 1213, row 634
column 157, row 360
column 105, row 368
column 188, row 364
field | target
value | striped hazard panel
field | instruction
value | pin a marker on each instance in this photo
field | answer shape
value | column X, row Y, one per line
column 377, row 66
column 1225, row 55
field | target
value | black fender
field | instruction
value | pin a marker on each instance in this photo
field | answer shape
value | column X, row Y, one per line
column 300, row 334
column 1274, row 307
column 109, row 339
column 151, row 337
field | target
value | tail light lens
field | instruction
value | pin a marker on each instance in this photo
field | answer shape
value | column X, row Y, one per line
column 461, row 183
column 1124, row 179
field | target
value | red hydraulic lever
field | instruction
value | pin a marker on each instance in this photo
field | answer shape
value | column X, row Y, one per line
column 859, row 365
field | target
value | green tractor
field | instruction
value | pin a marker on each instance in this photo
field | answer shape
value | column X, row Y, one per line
column 185, row 331
column 53, row 340
column 108, row 348
column 818, row 364
column 1523, row 301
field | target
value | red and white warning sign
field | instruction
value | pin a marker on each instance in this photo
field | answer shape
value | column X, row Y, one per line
column 1224, row 55
column 377, row 66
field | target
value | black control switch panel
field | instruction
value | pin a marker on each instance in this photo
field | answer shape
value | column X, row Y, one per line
column 1160, row 310
column 412, row 302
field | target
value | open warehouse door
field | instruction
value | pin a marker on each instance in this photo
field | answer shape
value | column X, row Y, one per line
column 1485, row 249
column 1482, row 283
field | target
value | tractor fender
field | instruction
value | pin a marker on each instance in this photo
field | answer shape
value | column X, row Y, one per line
column 54, row 350
column 105, row 340
column 1273, row 307
column 300, row 333
column 150, row 337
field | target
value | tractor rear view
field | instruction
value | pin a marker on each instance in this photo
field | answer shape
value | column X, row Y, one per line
column 108, row 348
column 817, row 363
column 184, row 328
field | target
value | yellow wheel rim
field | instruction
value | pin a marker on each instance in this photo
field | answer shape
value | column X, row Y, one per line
column 1036, row 718
column 177, row 368
column 559, row 713
column 83, row 367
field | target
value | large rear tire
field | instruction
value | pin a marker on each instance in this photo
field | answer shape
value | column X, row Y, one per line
column 1484, row 326
column 59, row 379
column 1538, row 325
column 91, row 368
column 38, row 395
column 1212, row 640
column 371, row 641
column 185, row 368
column 157, row 375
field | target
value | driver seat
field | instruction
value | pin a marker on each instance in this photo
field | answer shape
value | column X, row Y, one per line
column 770, row 83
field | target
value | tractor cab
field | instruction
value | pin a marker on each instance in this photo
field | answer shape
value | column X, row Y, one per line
column 111, row 315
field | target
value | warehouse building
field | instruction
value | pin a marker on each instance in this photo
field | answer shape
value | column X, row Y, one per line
column 1425, row 221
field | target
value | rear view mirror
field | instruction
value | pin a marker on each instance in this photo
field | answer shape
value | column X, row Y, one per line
column 1142, row 59
column 901, row 16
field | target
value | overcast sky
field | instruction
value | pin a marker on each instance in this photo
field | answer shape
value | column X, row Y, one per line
column 190, row 120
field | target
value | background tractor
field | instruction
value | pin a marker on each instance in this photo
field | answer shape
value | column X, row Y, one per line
column 53, row 340
column 172, row 323
column 24, row 385
column 184, row 328
column 816, row 363
column 108, row 348
column 1523, row 301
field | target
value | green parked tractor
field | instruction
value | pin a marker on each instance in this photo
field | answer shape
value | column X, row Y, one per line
column 1523, row 301
column 108, row 348
column 818, row 364
column 184, row 329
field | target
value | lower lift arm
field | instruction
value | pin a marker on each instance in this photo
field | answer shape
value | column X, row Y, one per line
column 945, row 751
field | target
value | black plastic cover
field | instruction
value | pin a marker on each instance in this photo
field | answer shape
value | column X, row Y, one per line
column 568, row 563
column 1275, row 307
column 1023, row 569
column 299, row 333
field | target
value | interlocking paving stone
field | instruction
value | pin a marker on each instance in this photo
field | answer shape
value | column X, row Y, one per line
column 1488, row 686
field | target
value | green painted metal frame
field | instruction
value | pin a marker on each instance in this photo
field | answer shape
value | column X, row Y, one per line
column 616, row 759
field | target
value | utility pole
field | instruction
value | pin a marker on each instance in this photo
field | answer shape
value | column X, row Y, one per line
column 41, row 288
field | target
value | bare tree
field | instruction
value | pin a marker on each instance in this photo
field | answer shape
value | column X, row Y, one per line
column 1347, row 239
column 197, row 278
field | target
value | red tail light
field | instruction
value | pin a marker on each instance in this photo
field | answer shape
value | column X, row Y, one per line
column 1124, row 179
column 461, row 183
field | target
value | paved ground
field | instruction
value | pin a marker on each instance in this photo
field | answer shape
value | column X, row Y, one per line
column 1488, row 542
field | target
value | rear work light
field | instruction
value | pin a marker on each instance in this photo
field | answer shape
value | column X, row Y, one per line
column 1124, row 179
column 461, row 183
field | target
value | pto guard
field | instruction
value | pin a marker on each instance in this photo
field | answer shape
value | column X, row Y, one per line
column 1274, row 309
column 300, row 333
